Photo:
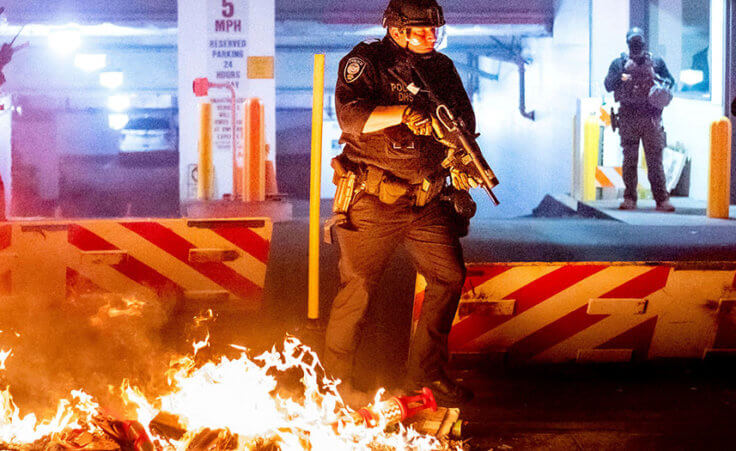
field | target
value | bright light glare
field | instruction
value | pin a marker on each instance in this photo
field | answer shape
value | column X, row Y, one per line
column 111, row 80
column 691, row 76
column 65, row 41
column 119, row 102
column 90, row 62
column 117, row 121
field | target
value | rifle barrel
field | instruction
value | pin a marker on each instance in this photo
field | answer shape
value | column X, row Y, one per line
column 493, row 197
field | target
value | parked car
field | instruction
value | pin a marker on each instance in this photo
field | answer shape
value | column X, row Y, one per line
column 149, row 136
column 150, row 141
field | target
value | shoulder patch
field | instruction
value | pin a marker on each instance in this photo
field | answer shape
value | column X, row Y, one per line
column 371, row 41
column 354, row 69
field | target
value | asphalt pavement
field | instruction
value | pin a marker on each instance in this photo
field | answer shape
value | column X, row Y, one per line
column 644, row 406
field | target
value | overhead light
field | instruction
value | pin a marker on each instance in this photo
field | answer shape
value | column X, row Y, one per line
column 65, row 41
column 111, row 80
column 117, row 121
column 120, row 102
column 691, row 77
column 90, row 62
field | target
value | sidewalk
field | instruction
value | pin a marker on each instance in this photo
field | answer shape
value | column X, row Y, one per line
column 688, row 212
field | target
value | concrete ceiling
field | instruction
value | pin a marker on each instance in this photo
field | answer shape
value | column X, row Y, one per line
column 163, row 12
column 90, row 11
column 456, row 11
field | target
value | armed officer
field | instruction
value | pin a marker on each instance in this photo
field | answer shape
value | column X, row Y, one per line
column 397, row 185
column 642, row 85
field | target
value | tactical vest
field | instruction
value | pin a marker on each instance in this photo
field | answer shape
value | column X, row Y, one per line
column 636, row 90
column 396, row 149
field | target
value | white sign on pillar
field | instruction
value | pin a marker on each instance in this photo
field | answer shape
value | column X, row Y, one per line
column 219, row 40
column 227, row 43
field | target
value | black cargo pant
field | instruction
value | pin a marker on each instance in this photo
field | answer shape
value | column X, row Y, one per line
column 375, row 231
column 645, row 126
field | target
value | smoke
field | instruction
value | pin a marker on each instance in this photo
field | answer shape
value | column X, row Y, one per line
column 90, row 342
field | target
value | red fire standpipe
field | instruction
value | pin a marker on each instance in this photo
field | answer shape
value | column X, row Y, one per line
column 201, row 88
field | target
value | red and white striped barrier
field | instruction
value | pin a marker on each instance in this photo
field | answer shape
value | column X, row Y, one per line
column 594, row 311
column 612, row 177
column 193, row 260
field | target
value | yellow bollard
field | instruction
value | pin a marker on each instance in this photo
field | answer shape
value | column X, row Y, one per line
column 591, row 142
column 719, row 182
column 205, row 169
column 318, row 89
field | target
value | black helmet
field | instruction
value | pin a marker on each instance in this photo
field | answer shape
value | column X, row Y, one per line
column 636, row 41
column 413, row 13
column 634, row 32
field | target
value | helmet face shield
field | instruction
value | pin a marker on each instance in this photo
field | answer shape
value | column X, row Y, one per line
column 426, row 38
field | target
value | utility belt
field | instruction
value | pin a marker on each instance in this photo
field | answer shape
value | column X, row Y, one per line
column 380, row 183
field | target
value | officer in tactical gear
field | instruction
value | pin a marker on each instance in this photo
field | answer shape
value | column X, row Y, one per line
column 391, row 165
column 642, row 85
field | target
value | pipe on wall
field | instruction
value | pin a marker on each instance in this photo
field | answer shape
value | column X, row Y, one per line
column 522, row 92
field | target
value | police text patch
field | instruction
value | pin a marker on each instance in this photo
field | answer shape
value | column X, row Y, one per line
column 353, row 69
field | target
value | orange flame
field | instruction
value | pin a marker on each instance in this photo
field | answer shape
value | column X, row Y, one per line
column 241, row 396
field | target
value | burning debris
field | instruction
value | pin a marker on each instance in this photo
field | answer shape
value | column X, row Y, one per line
column 281, row 399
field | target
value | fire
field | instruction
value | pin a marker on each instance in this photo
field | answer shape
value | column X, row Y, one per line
column 280, row 399
column 73, row 414
column 3, row 357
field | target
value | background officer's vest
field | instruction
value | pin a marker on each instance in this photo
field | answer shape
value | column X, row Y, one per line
column 636, row 90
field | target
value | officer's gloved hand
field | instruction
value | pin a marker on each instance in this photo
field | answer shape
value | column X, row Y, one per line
column 461, row 180
column 419, row 122
column 630, row 65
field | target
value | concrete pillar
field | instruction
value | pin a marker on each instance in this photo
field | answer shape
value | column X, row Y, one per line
column 227, row 41
column 610, row 22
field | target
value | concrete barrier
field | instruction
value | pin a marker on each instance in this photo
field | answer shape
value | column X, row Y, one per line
column 594, row 311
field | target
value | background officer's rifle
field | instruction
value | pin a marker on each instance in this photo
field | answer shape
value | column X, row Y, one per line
column 465, row 154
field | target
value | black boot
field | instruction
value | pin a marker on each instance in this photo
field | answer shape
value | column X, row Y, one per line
column 446, row 391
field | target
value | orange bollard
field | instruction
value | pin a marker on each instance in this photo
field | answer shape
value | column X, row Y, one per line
column 254, row 152
column 238, row 171
column 719, row 182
